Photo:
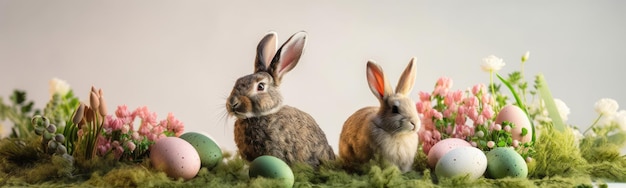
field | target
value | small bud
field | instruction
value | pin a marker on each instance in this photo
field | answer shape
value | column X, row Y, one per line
column 52, row 145
column 59, row 138
column 525, row 56
column 89, row 115
column 47, row 136
column 94, row 100
column 39, row 130
column 78, row 115
column 61, row 150
column 52, row 128
column 103, row 107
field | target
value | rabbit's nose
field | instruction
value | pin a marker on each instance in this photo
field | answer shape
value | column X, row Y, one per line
column 234, row 103
column 413, row 125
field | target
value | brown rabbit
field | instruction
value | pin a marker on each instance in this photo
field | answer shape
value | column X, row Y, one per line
column 264, row 125
column 390, row 130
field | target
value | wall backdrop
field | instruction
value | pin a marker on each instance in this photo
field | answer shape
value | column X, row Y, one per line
column 184, row 56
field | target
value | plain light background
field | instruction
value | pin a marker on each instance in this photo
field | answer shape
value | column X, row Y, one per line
column 184, row 56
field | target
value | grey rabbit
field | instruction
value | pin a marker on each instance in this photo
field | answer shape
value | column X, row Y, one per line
column 264, row 125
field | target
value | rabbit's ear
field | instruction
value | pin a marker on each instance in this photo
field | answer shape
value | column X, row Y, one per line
column 265, row 52
column 377, row 81
column 407, row 79
column 287, row 56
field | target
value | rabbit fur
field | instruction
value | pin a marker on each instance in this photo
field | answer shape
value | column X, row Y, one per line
column 264, row 125
column 388, row 131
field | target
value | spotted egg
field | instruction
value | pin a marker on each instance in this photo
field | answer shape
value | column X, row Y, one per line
column 176, row 157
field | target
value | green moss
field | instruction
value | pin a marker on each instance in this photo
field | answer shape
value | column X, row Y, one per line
column 557, row 154
column 557, row 163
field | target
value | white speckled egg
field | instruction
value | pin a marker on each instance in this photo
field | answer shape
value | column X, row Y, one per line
column 176, row 157
column 444, row 146
column 516, row 115
column 462, row 161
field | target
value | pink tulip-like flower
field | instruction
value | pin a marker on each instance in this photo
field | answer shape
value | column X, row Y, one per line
column 174, row 125
column 478, row 89
column 487, row 112
column 444, row 82
column 118, row 151
column 130, row 145
column 437, row 115
column 135, row 136
column 125, row 128
column 424, row 96
column 491, row 144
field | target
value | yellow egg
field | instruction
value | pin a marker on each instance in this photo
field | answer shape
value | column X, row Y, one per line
column 518, row 117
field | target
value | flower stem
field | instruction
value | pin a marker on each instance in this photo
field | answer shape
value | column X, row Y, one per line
column 594, row 123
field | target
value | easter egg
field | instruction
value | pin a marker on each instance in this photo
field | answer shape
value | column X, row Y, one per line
column 505, row 162
column 209, row 152
column 442, row 147
column 176, row 157
column 517, row 116
column 462, row 161
column 271, row 167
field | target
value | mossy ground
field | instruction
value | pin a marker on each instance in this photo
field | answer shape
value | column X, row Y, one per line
column 558, row 163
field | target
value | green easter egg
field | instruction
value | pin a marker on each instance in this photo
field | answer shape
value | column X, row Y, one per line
column 209, row 152
column 505, row 162
column 272, row 167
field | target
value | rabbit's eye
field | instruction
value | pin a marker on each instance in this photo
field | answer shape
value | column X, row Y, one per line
column 260, row 86
column 394, row 109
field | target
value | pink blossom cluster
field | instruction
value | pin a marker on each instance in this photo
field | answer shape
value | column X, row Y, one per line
column 120, row 137
column 453, row 114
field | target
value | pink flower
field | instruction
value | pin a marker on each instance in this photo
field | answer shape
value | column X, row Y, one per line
column 175, row 125
column 125, row 128
column 478, row 89
column 147, row 118
column 422, row 106
column 444, row 82
column 480, row 120
column 118, row 151
column 457, row 96
column 126, row 116
column 487, row 112
column 135, row 136
column 460, row 120
column 130, row 145
column 112, row 124
column 437, row 115
column 491, row 144
column 515, row 143
column 424, row 96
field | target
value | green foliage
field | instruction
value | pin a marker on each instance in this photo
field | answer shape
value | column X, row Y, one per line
column 19, row 111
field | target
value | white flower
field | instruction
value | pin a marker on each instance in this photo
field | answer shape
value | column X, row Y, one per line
column 606, row 106
column 492, row 63
column 58, row 86
column 619, row 118
column 577, row 135
column 525, row 56
column 563, row 109
column 541, row 113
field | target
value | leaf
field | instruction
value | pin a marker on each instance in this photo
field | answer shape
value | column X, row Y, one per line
column 553, row 112
column 520, row 104
column 501, row 144
column 524, row 131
